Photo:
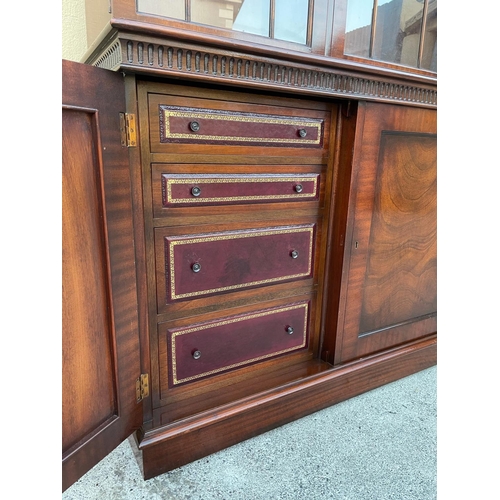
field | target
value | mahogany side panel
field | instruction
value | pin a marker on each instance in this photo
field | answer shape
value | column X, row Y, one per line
column 334, row 272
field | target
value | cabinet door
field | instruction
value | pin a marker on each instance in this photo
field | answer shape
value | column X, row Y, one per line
column 388, row 293
column 100, row 339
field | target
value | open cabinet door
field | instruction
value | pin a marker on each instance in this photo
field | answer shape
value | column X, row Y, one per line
column 101, row 352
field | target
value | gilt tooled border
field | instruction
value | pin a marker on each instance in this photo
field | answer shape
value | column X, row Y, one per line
column 198, row 328
column 173, row 243
column 192, row 113
column 168, row 198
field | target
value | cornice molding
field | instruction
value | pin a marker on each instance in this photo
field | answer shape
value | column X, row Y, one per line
column 162, row 57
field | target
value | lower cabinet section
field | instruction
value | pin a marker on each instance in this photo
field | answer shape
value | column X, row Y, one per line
column 268, row 257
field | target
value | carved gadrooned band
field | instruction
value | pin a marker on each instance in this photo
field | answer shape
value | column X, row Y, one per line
column 216, row 65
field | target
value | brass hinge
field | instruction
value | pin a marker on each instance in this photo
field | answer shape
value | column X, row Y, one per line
column 128, row 130
column 142, row 387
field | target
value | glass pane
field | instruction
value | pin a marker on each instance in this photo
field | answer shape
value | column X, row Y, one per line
column 249, row 16
column 253, row 17
column 429, row 55
column 291, row 20
column 358, row 27
column 397, row 32
column 172, row 8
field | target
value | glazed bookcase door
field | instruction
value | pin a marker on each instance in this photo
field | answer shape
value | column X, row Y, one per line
column 100, row 340
column 388, row 294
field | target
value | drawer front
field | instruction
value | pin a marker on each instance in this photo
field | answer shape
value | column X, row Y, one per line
column 190, row 190
column 205, row 349
column 200, row 265
column 210, row 126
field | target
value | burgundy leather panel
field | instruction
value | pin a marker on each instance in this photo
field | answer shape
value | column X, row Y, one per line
column 235, row 341
column 231, row 127
column 224, row 189
column 235, row 260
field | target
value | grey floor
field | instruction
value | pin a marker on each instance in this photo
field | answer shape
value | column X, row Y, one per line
column 378, row 446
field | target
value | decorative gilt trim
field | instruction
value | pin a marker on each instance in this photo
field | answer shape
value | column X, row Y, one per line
column 218, row 65
column 169, row 181
column 166, row 112
column 229, row 321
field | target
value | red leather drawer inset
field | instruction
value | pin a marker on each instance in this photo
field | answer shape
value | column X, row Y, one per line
column 186, row 190
column 206, row 349
column 185, row 125
column 205, row 264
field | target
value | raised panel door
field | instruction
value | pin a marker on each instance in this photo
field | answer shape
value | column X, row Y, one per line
column 389, row 283
column 100, row 338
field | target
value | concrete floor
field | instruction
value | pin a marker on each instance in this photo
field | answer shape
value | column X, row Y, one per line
column 377, row 446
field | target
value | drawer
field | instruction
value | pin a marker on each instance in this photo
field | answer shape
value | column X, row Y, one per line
column 206, row 349
column 186, row 125
column 204, row 264
column 199, row 125
column 206, row 189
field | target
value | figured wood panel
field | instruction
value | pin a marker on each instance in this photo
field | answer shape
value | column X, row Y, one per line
column 388, row 291
column 401, row 275
column 100, row 320
column 88, row 360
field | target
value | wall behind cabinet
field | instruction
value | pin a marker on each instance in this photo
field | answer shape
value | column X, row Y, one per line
column 74, row 31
